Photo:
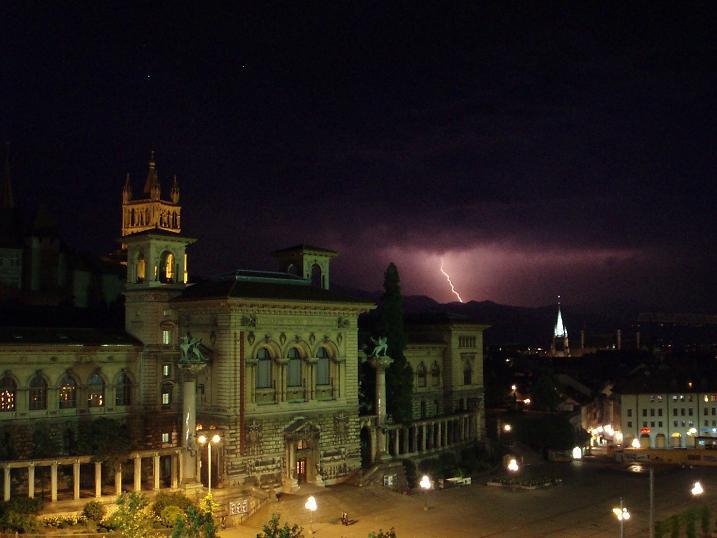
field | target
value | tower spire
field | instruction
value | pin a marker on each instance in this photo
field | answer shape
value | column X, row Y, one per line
column 7, row 201
column 152, row 186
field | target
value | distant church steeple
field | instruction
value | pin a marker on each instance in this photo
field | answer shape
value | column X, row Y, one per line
column 560, row 346
column 150, row 211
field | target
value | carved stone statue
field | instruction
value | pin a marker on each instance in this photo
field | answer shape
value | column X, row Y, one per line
column 191, row 356
column 380, row 347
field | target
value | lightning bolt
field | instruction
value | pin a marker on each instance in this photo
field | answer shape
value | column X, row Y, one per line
column 448, row 278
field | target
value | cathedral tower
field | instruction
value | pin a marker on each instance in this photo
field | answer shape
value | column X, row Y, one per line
column 150, row 212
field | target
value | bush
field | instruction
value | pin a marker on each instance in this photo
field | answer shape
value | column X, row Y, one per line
column 171, row 514
column 446, row 465
column 94, row 511
column 165, row 499
column 18, row 522
column 705, row 519
column 21, row 505
column 271, row 529
column 391, row 533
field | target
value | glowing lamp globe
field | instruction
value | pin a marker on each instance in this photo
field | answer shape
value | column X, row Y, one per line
column 425, row 482
column 577, row 453
column 635, row 443
column 513, row 465
column 697, row 489
column 311, row 504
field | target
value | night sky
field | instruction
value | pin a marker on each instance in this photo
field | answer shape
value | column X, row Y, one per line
column 539, row 149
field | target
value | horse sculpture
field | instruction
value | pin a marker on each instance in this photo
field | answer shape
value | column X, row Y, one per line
column 380, row 346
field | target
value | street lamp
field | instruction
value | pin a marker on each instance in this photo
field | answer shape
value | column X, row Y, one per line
column 204, row 440
column 507, row 428
column 425, row 484
column 635, row 443
column 513, row 465
column 622, row 515
column 311, row 506
column 697, row 489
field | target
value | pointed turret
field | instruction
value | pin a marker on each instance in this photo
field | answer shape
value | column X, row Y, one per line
column 152, row 186
column 560, row 330
column 7, row 201
column 175, row 191
column 560, row 346
column 127, row 189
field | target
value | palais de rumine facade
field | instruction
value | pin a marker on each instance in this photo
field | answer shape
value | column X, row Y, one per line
column 281, row 382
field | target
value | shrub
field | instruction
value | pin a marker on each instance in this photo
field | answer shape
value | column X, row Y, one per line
column 390, row 533
column 165, row 499
column 94, row 511
column 18, row 522
column 271, row 529
column 446, row 464
column 705, row 519
column 171, row 514
column 21, row 505
column 674, row 527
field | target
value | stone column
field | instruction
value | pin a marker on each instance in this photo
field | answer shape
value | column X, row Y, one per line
column 189, row 427
column 76, row 480
column 31, row 481
column 396, row 442
column 406, row 446
column 424, row 437
column 380, row 364
column 98, row 479
column 174, row 470
column 6, row 484
column 155, row 470
column 118, row 480
column 445, row 433
column 53, row 482
column 138, row 473
column 439, row 434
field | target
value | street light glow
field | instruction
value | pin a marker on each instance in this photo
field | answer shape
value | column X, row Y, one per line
column 697, row 489
column 425, row 482
column 216, row 438
column 513, row 465
column 577, row 453
column 202, row 439
column 621, row 514
column 311, row 504
column 635, row 443
column 507, row 428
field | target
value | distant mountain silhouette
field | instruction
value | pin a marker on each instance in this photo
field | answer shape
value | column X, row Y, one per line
column 519, row 324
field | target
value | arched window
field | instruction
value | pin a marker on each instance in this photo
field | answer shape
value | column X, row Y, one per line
column 263, row 369
column 38, row 393
column 95, row 391
column 8, row 393
column 435, row 374
column 322, row 367
column 293, row 378
column 467, row 373
column 421, row 374
column 141, row 268
column 316, row 275
column 167, row 269
column 166, row 392
column 67, row 392
column 123, row 389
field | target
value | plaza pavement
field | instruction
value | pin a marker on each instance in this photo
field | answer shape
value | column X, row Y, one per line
column 581, row 507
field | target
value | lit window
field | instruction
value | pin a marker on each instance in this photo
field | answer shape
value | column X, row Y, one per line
column 166, row 337
column 166, row 370
column 141, row 268
column 165, row 438
column 166, row 393
column 67, row 392
column 8, row 392
column 95, row 391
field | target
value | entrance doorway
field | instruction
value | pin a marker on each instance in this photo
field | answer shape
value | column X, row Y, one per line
column 301, row 470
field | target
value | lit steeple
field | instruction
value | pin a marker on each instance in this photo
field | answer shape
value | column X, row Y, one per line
column 152, row 186
column 560, row 330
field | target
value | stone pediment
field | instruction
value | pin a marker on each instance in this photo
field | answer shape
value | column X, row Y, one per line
column 301, row 427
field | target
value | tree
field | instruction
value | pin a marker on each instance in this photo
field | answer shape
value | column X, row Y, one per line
column 271, row 529
column 399, row 376
column 132, row 518
column 546, row 396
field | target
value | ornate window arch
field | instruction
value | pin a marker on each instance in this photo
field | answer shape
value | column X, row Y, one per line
column 421, row 374
column 140, row 268
column 67, row 392
column 323, row 366
column 95, row 390
column 435, row 374
column 123, row 389
column 37, row 392
column 167, row 267
column 8, row 394
column 467, row 373
column 264, row 369
column 293, row 375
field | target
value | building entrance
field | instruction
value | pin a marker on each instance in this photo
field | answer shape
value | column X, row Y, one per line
column 301, row 470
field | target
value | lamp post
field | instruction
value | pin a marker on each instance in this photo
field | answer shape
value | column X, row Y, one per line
column 425, row 484
column 697, row 489
column 204, row 440
column 513, row 465
column 622, row 515
column 311, row 506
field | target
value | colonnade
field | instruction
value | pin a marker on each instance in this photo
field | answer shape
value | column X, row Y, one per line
column 29, row 467
column 429, row 434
